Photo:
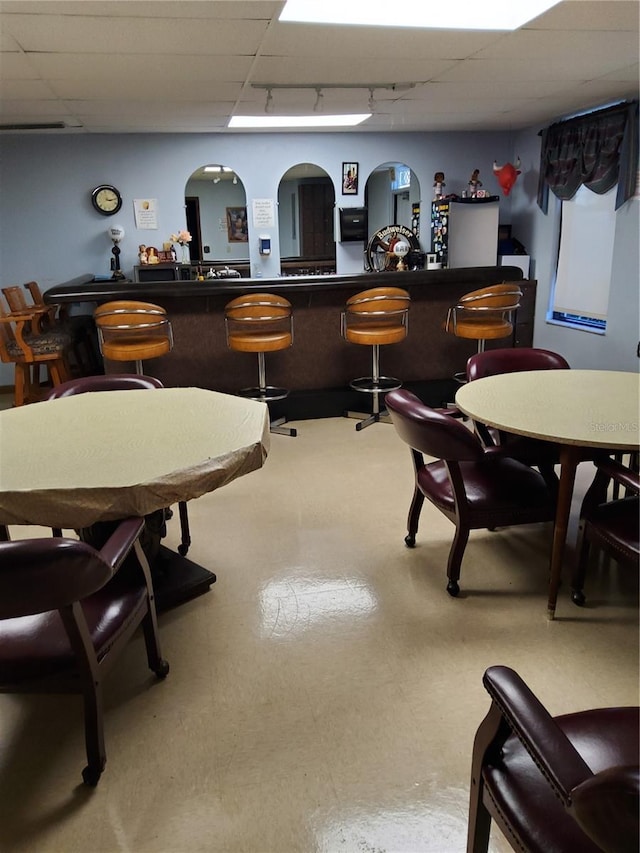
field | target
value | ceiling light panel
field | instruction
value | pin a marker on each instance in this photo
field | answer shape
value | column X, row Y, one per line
column 453, row 15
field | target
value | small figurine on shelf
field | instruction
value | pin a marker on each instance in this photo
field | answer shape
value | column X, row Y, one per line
column 438, row 185
column 474, row 183
column 152, row 255
column 142, row 254
column 174, row 255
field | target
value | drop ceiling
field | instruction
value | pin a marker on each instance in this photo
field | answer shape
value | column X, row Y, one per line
column 185, row 67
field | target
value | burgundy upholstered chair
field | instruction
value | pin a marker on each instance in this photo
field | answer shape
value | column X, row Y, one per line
column 66, row 612
column 544, row 455
column 122, row 382
column 568, row 784
column 475, row 487
column 612, row 525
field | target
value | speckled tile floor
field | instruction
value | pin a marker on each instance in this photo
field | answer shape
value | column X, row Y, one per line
column 324, row 695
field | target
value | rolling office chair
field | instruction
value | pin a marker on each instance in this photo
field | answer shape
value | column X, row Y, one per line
column 375, row 318
column 484, row 314
column 122, row 382
column 261, row 323
column 553, row 784
column 67, row 611
column 133, row 331
column 473, row 486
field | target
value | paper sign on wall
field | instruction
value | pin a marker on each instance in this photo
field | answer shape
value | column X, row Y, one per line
column 145, row 211
column 263, row 212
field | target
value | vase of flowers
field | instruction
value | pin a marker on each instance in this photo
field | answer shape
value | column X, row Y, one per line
column 183, row 238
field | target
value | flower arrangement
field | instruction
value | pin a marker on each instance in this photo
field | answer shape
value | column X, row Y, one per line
column 182, row 238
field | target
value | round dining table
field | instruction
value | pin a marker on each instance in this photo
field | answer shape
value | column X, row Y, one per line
column 78, row 461
column 581, row 411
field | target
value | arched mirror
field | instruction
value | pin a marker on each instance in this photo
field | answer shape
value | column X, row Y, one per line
column 216, row 206
column 392, row 197
column 306, row 201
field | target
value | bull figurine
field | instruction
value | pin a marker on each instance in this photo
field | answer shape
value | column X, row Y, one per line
column 507, row 175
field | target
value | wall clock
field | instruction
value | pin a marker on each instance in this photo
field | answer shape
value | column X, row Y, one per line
column 106, row 199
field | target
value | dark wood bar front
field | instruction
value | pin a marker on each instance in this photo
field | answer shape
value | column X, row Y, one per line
column 320, row 365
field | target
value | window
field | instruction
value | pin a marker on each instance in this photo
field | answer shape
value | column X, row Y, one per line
column 580, row 295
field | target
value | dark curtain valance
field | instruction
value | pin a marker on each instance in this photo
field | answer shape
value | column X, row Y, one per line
column 596, row 150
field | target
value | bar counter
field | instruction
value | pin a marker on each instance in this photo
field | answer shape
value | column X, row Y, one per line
column 320, row 365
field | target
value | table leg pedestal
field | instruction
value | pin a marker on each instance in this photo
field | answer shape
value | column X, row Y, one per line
column 177, row 579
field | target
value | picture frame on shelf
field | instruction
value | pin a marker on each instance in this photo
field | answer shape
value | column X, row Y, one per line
column 349, row 179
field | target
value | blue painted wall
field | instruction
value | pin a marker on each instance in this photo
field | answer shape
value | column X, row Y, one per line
column 49, row 231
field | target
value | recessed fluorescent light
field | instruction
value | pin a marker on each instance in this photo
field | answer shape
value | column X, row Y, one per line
column 298, row 121
column 452, row 15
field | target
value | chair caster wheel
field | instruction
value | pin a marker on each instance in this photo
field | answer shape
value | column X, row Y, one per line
column 182, row 550
column 410, row 541
column 91, row 776
column 453, row 589
column 162, row 669
column 578, row 597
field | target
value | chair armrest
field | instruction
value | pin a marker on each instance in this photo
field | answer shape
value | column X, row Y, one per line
column 118, row 545
column 546, row 743
column 37, row 575
column 620, row 473
column 606, row 807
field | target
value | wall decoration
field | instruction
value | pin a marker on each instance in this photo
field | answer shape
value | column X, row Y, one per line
column 349, row 179
column 237, row 229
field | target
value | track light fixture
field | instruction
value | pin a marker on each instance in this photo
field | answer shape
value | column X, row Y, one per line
column 317, row 107
column 372, row 103
column 268, row 106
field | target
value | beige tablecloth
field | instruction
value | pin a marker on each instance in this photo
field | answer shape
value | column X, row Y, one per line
column 102, row 456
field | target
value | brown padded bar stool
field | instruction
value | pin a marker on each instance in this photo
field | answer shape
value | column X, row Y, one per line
column 261, row 323
column 133, row 331
column 373, row 318
column 482, row 315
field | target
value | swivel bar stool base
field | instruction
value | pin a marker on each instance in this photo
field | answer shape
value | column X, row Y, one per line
column 259, row 323
column 374, row 318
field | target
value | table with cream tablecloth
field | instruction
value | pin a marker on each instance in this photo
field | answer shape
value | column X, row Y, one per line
column 83, row 460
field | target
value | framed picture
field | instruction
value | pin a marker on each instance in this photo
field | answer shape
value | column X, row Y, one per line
column 349, row 179
column 237, row 230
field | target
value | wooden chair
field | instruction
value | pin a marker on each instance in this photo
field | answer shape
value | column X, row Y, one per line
column 67, row 610
column 122, row 382
column 553, row 784
column 374, row 318
column 81, row 329
column 260, row 323
column 19, row 345
column 133, row 331
column 473, row 486
column 611, row 525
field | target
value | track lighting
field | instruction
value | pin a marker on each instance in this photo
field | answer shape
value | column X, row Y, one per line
column 317, row 107
column 268, row 106
column 372, row 103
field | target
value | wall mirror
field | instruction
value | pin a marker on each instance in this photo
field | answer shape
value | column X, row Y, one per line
column 216, row 207
column 392, row 197
column 306, row 202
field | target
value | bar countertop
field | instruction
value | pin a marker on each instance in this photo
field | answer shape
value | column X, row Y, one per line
column 86, row 289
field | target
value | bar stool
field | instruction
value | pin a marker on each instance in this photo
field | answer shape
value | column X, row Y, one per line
column 261, row 323
column 482, row 315
column 133, row 331
column 373, row 318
